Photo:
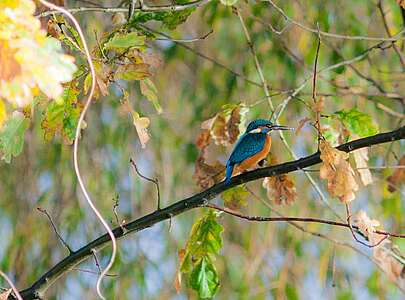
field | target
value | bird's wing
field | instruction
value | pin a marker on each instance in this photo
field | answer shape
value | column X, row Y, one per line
column 247, row 146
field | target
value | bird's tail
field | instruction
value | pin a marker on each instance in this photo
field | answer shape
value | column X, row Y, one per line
column 229, row 171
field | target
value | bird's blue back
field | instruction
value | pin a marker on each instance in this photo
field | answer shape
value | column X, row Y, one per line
column 248, row 145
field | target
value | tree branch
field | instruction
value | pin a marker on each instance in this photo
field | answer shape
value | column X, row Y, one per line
column 297, row 219
column 198, row 200
column 142, row 8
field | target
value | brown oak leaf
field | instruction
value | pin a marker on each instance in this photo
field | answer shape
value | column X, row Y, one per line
column 206, row 175
column 337, row 171
column 280, row 189
column 233, row 125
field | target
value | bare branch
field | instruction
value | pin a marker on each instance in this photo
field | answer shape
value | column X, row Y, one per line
column 387, row 29
column 256, row 59
column 154, row 181
column 202, row 55
column 349, row 224
column 117, row 219
column 192, row 40
column 334, row 35
column 317, row 113
column 143, row 8
column 42, row 210
column 297, row 219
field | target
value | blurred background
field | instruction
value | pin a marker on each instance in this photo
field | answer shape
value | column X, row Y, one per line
column 196, row 75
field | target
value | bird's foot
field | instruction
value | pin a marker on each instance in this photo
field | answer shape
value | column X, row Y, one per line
column 262, row 163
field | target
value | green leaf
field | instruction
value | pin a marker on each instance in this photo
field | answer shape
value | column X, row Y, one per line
column 204, row 278
column 205, row 237
column 236, row 197
column 133, row 72
column 357, row 122
column 229, row 2
column 125, row 40
column 148, row 89
column 204, row 242
column 61, row 117
column 170, row 19
column 12, row 136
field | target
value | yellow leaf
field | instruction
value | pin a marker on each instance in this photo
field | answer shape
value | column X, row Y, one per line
column 3, row 113
column 141, row 125
column 337, row 171
column 361, row 159
column 9, row 66
column 29, row 59
column 236, row 197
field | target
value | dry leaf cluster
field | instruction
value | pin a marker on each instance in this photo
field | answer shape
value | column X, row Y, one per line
column 280, row 189
column 385, row 253
column 221, row 130
column 337, row 171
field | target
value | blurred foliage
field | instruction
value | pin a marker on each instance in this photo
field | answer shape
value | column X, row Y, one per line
column 175, row 100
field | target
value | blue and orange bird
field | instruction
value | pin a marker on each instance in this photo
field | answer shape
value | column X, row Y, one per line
column 252, row 147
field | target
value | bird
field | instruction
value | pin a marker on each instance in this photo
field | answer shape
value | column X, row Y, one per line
column 252, row 147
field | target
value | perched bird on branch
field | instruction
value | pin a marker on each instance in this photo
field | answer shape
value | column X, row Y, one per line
column 252, row 147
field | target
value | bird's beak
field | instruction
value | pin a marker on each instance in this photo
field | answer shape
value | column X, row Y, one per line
column 281, row 127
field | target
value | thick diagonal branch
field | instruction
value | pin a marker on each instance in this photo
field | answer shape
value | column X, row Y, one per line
column 198, row 200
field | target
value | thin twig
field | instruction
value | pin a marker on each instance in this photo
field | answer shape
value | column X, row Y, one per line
column 154, row 181
column 390, row 111
column 202, row 55
column 115, row 212
column 94, row 253
column 93, row 272
column 334, row 268
column 76, row 142
column 387, row 29
column 191, row 40
column 332, row 35
column 44, row 211
column 256, row 60
column 349, row 216
column 314, row 97
column 142, row 8
column 295, row 219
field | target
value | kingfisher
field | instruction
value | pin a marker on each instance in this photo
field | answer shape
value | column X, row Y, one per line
column 252, row 147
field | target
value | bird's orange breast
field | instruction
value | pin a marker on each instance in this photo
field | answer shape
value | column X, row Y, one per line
column 253, row 160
